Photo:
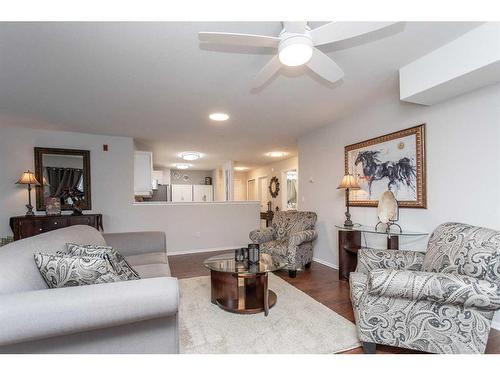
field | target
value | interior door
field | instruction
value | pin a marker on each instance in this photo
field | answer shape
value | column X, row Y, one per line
column 239, row 190
column 263, row 193
column 251, row 194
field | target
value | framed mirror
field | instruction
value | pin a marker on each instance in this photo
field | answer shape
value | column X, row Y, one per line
column 63, row 174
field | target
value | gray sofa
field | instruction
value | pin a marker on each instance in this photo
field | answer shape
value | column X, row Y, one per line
column 137, row 316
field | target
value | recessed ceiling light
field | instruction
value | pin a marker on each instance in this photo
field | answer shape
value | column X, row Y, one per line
column 182, row 166
column 219, row 116
column 190, row 155
column 240, row 168
column 276, row 154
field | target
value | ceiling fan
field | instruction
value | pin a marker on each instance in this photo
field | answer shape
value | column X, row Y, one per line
column 296, row 45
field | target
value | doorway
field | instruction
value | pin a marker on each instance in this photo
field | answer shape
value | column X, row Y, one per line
column 263, row 193
column 290, row 189
column 251, row 191
column 239, row 190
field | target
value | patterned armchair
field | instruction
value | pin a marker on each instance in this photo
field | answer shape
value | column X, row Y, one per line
column 289, row 239
column 441, row 301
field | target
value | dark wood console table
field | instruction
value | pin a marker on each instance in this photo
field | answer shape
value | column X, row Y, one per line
column 28, row 226
column 350, row 243
column 267, row 216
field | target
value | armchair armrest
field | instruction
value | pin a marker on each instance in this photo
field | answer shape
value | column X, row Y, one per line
column 445, row 288
column 40, row 314
column 262, row 235
column 136, row 243
column 370, row 259
column 298, row 238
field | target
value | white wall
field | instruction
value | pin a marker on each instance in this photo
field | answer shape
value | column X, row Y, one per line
column 272, row 170
column 463, row 165
column 188, row 227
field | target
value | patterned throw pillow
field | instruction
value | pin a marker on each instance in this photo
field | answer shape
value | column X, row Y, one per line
column 61, row 271
column 117, row 260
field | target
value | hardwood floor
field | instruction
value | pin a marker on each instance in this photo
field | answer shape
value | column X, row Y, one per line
column 320, row 282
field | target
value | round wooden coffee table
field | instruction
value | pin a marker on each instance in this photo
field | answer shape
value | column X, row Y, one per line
column 240, row 287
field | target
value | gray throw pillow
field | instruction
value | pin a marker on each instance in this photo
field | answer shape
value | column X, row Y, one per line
column 61, row 271
column 120, row 265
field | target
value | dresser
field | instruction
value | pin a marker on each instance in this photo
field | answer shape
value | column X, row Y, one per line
column 27, row 226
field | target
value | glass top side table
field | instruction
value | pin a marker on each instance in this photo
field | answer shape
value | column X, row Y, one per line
column 390, row 233
column 350, row 242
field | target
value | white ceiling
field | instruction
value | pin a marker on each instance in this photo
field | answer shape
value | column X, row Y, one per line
column 154, row 82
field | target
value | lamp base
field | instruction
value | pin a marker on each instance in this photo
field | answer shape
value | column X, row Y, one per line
column 348, row 223
column 30, row 210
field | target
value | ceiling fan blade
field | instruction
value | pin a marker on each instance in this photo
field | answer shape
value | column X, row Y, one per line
column 336, row 31
column 295, row 27
column 269, row 70
column 239, row 39
column 324, row 66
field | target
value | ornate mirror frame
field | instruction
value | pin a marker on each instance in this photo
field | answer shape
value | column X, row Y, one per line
column 274, row 187
column 39, row 152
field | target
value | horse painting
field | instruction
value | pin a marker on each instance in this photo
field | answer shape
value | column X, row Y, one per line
column 399, row 173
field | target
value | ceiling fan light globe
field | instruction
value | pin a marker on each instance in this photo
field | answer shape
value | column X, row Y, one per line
column 295, row 54
column 190, row 155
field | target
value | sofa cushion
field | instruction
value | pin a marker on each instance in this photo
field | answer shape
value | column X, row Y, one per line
column 61, row 271
column 147, row 258
column 148, row 271
column 18, row 271
column 118, row 262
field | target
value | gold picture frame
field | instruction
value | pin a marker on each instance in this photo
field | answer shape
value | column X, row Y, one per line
column 394, row 162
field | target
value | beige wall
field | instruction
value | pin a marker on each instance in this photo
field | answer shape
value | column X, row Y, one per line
column 272, row 170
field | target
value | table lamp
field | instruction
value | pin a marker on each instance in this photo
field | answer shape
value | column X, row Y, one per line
column 348, row 182
column 28, row 178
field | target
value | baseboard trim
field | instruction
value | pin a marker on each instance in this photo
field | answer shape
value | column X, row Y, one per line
column 495, row 325
column 194, row 251
column 328, row 264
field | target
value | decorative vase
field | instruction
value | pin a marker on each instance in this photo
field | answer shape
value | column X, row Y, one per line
column 239, row 254
column 253, row 253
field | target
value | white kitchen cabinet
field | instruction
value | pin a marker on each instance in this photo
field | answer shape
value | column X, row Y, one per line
column 203, row 193
column 143, row 173
column 182, row 193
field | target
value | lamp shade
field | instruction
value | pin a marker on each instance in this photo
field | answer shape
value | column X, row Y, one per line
column 28, row 178
column 348, row 182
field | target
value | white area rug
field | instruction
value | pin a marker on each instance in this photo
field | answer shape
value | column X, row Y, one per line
column 296, row 324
